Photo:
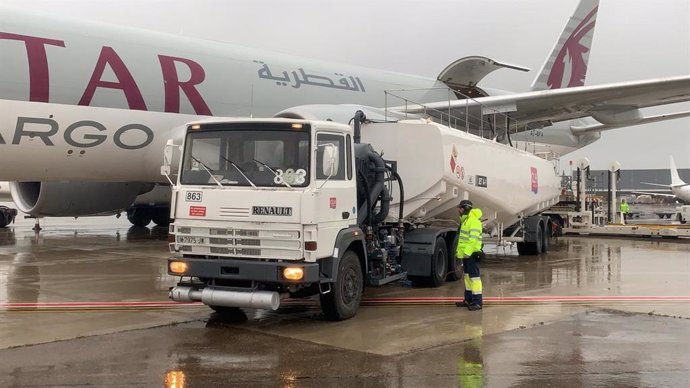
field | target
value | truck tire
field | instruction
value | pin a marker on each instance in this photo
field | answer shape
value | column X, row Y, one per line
column 343, row 300
column 545, row 239
column 679, row 218
column 439, row 263
column 531, row 248
column 3, row 221
column 452, row 274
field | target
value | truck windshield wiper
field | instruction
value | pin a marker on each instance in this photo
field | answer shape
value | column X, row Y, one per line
column 208, row 170
column 240, row 170
column 274, row 173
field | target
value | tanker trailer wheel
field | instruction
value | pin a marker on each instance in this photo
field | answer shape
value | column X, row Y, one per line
column 531, row 248
column 343, row 300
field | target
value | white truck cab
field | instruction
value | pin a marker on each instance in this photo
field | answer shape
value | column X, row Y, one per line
column 263, row 209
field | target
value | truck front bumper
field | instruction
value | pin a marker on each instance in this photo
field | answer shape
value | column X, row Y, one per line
column 235, row 269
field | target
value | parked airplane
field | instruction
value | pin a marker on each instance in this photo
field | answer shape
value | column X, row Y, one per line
column 678, row 187
column 73, row 154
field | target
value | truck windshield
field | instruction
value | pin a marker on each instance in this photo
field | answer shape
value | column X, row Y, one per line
column 254, row 152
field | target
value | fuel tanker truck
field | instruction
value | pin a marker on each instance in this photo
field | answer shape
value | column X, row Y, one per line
column 266, row 209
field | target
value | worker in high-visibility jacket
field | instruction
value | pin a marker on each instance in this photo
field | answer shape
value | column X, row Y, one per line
column 469, row 249
column 624, row 209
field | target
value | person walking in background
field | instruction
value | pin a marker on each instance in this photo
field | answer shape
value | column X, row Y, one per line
column 624, row 209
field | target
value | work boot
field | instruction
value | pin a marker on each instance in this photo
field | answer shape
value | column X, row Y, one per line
column 474, row 307
column 461, row 304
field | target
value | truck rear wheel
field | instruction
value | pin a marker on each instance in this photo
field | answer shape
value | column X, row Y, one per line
column 439, row 263
column 343, row 300
column 545, row 238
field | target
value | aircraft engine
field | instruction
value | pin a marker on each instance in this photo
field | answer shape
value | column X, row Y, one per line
column 74, row 199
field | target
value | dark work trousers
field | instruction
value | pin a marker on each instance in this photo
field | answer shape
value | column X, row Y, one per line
column 473, row 283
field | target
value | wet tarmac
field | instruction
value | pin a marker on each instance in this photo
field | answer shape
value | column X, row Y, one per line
column 85, row 303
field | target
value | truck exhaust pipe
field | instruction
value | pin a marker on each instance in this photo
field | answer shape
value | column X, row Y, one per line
column 267, row 300
column 359, row 118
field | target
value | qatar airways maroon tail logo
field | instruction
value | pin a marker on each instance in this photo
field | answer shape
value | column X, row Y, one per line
column 535, row 180
column 576, row 53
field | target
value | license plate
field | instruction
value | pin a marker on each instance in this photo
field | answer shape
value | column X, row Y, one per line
column 190, row 240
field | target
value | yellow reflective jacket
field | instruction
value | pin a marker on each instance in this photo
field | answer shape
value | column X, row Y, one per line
column 625, row 208
column 469, row 234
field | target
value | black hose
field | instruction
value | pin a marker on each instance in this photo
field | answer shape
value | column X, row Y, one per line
column 367, row 213
column 402, row 194
column 359, row 118
column 385, row 206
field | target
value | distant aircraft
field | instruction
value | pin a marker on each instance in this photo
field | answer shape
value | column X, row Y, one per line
column 73, row 154
column 678, row 187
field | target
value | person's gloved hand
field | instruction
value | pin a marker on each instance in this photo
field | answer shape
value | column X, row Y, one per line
column 478, row 256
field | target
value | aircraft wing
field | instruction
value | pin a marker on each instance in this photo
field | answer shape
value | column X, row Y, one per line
column 615, row 104
column 654, row 194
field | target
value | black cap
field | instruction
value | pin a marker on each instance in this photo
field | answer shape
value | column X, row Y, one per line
column 465, row 204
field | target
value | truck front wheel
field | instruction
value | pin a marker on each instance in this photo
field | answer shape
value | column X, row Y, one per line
column 343, row 300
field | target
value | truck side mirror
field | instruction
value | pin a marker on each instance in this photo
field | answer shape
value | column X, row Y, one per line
column 167, row 158
column 330, row 160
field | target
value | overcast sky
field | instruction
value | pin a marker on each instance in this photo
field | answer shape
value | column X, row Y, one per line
column 633, row 40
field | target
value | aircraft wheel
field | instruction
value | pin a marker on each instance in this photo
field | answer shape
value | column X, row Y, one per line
column 139, row 217
column 161, row 216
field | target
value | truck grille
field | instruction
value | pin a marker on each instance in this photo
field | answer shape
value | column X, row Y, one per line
column 270, row 244
column 242, row 212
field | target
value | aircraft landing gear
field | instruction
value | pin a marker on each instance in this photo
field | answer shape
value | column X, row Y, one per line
column 143, row 215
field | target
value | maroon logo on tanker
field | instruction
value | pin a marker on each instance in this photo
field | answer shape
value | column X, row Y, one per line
column 576, row 53
column 455, row 167
column 535, row 180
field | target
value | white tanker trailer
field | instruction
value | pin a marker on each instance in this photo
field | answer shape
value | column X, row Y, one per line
column 265, row 209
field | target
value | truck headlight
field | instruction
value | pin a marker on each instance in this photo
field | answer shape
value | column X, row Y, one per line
column 177, row 267
column 293, row 273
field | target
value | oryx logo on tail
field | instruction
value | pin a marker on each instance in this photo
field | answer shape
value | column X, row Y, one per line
column 567, row 64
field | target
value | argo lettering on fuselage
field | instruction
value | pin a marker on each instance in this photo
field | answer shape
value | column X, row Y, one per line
column 126, row 137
